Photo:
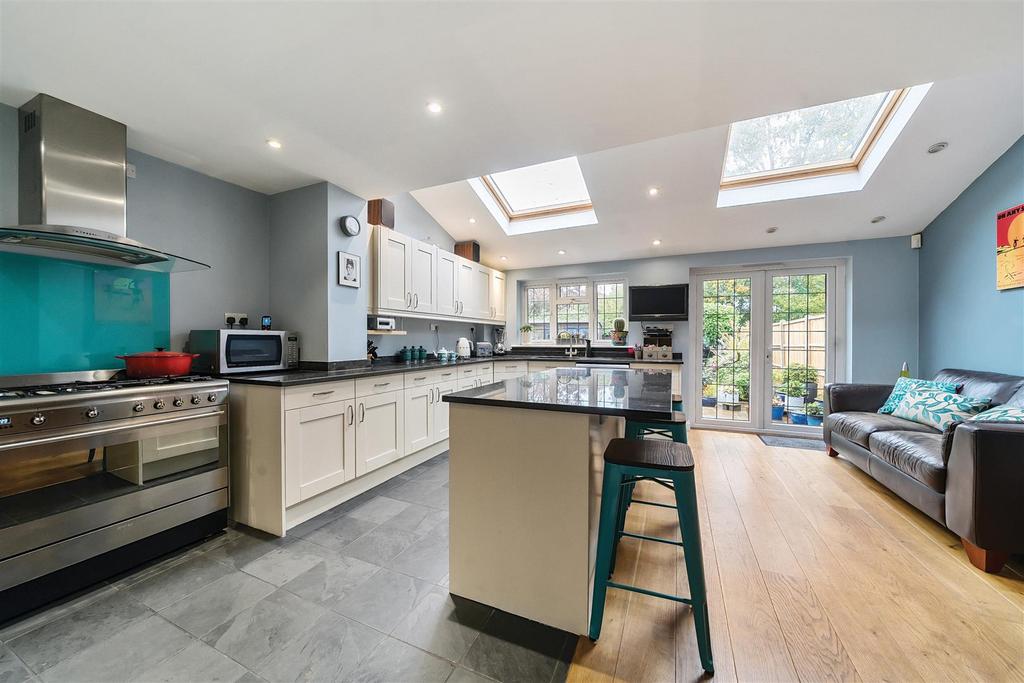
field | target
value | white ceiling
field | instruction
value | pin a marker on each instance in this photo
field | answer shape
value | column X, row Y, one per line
column 344, row 86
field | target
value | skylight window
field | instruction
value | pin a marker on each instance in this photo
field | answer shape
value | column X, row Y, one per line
column 548, row 189
column 821, row 140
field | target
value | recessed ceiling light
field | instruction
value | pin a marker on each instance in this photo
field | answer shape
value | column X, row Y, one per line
column 504, row 258
column 472, row 220
column 772, row 229
column 561, row 252
column 274, row 144
column 434, row 107
column 653, row 191
column 656, row 243
column 878, row 219
column 938, row 147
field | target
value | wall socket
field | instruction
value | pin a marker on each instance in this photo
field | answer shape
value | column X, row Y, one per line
column 433, row 327
column 236, row 316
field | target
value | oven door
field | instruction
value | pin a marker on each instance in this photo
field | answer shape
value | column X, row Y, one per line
column 252, row 351
column 69, row 494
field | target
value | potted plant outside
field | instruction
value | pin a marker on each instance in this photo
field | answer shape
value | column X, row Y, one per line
column 619, row 333
column 815, row 412
column 525, row 331
column 798, row 418
column 778, row 407
column 793, row 381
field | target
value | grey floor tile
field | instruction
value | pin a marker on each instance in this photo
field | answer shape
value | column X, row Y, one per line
column 339, row 532
column 254, row 634
column 383, row 600
column 245, row 546
column 511, row 648
column 461, row 675
column 124, row 656
column 197, row 662
column 394, row 661
column 330, row 650
column 284, row 564
column 426, row 558
column 55, row 611
column 443, row 624
column 435, row 473
column 330, row 581
column 378, row 509
column 12, row 669
column 568, row 652
column 177, row 581
column 73, row 633
column 427, row 493
column 418, row 519
column 215, row 603
column 381, row 545
column 150, row 569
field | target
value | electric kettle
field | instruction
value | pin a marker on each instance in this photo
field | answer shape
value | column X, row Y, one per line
column 463, row 347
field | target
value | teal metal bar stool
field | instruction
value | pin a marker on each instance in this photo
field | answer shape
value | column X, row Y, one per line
column 668, row 464
column 673, row 427
column 677, row 402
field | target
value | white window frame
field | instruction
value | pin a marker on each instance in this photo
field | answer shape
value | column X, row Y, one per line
column 590, row 299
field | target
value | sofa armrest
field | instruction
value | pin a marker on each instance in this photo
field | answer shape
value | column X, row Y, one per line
column 984, row 480
column 860, row 397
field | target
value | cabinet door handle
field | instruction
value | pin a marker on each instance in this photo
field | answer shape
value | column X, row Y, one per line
column 438, row 390
column 351, row 415
column 323, row 393
column 382, row 384
column 416, row 300
column 362, row 412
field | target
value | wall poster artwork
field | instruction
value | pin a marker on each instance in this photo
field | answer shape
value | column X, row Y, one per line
column 1010, row 248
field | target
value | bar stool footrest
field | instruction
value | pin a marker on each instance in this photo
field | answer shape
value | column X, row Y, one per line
column 666, row 541
column 647, row 591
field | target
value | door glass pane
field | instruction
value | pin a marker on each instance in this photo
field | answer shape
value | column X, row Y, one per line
column 798, row 352
column 726, row 350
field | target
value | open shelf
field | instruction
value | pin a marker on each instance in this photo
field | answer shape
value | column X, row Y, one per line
column 386, row 333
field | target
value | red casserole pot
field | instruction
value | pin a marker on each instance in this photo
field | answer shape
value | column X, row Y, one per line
column 157, row 363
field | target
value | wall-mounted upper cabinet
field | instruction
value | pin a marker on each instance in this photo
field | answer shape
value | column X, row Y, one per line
column 418, row 280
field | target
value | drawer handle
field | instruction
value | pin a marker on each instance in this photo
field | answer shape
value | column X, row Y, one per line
column 446, row 374
column 467, row 371
column 418, row 379
column 323, row 393
column 382, row 384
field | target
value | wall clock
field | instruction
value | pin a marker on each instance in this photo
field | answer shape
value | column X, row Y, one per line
column 350, row 225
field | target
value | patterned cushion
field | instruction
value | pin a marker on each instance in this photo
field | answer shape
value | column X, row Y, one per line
column 938, row 409
column 905, row 384
column 1001, row 414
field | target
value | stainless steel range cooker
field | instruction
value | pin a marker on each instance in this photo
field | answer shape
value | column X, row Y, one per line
column 100, row 473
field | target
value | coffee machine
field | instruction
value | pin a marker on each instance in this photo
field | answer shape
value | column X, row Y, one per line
column 499, row 341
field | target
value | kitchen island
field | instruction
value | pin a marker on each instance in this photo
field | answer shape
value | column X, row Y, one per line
column 525, row 480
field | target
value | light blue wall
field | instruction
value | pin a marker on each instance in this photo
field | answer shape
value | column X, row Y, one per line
column 346, row 306
column 882, row 299
column 965, row 321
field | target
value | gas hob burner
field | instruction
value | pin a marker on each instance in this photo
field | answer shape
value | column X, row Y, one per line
column 44, row 390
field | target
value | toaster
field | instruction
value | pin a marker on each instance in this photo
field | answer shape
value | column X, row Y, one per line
column 484, row 349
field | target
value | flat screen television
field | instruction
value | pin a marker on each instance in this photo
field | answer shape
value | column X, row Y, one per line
column 664, row 303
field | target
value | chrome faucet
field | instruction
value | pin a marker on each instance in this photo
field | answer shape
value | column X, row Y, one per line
column 572, row 351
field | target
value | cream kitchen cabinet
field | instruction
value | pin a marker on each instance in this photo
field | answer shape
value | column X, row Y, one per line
column 509, row 369
column 542, row 365
column 441, row 408
column 393, row 270
column 380, row 430
column 478, row 300
column 466, row 299
column 423, row 277
column 419, row 417
column 320, row 449
column 498, row 295
column 447, row 287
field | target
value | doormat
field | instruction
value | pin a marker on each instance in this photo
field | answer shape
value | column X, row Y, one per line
column 793, row 442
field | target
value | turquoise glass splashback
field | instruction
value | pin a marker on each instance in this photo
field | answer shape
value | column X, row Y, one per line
column 58, row 316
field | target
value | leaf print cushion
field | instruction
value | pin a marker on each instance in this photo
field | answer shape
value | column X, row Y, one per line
column 905, row 384
column 1011, row 414
column 938, row 409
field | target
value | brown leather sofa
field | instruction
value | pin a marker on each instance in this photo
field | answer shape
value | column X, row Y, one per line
column 969, row 478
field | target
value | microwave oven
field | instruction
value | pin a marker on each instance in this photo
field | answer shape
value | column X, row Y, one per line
column 226, row 351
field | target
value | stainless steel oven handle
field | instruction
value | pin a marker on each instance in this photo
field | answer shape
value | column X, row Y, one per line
column 68, row 436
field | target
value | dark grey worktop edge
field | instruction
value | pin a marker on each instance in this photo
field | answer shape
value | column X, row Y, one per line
column 461, row 397
column 299, row 377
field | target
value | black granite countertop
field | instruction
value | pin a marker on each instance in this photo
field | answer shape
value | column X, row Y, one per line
column 596, row 391
column 387, row 366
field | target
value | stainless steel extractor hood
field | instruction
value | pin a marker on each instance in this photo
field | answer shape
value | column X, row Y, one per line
column 71, row 190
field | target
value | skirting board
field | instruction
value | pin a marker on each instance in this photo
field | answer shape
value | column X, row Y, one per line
column 308, row 509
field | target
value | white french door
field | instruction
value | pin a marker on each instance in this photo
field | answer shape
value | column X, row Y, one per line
column 765, row 341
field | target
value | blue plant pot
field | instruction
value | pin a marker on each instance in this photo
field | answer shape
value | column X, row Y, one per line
column 777, row 412
column 798, row 418
column 709, row 401
column 813, row 420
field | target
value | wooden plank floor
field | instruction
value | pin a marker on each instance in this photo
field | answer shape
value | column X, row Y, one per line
column 815, row 573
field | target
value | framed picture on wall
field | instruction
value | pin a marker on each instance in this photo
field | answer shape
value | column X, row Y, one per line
column 349, row 269
column 1010, row 248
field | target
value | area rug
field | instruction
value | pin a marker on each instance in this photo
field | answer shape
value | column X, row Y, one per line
column 793, row 442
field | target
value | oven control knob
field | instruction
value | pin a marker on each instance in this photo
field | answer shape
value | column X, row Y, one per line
column 91, row 413
column 159, row 405
column 212, row 398
column 178, row 402
column 138, row 407
column 196, row 400
column 38, row 419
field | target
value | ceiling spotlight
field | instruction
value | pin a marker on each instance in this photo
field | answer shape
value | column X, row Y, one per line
column 772, row 229
column 561, row 252
column 504, row 258
column 938, row 147
column 878, row 219
column 434, row 107
column 273, row 144
column 472, row 220
column 653, row 191
column 656, row 243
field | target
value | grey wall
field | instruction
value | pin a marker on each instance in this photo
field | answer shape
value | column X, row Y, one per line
column 8, row 165
column 965, row 321
column 347, row 306
column 184, row 212
column 882, row 284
